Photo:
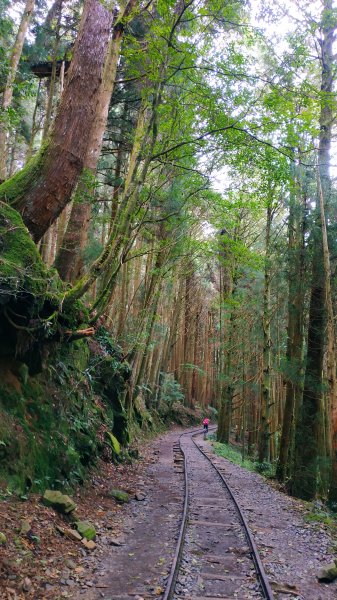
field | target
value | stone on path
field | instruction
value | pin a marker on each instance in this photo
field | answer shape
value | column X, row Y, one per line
column 116, row 541
column 328, row 573
column 140, row 496
column 86, row 530
column 27, row 584
column 89, row 544
column 120, row 496
column 71, row 534
column 25, row 527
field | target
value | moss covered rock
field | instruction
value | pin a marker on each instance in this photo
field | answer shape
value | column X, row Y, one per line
column 120, row 496
column 61, row 502
column 3, row 539
column 25, row 527
column 86, row 530
column 328, row 573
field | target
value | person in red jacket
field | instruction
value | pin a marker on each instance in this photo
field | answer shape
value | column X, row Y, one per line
column 205, row 424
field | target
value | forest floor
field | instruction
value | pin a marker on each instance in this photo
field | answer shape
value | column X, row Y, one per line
column 135, row 541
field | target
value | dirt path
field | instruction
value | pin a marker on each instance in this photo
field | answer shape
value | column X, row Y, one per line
column 139, row 567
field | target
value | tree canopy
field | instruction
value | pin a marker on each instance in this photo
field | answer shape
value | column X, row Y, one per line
column 171, row 162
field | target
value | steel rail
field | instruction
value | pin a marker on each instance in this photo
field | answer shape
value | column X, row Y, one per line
column 263, row 579
column 172, row 578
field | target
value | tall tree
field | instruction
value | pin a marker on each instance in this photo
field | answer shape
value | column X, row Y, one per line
column 309, row 428
column 42, row 189
column 75, row 239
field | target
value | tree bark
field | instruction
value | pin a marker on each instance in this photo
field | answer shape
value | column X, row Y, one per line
column 309, row 430
column 68, row 262
column 294, row 376
column 57, row 14
column 264, row 441
column 42, row 189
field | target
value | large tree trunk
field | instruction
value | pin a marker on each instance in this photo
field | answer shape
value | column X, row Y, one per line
column 42, row 189
column 229, row 281
column 264, row 441
column 8, row 91
column 331, row 400
column 226, row 406
column 68, row 261
column 294, row 373
column 309, row 426
column 309, row 430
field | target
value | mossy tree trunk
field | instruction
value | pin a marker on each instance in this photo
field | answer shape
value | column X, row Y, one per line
column 43, row 188
column 68, row 261
column 227, row 292
column 264, row 438
column 226, row 402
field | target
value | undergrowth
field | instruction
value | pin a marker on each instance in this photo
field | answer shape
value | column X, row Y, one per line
column 233, row 455
column 322, row 516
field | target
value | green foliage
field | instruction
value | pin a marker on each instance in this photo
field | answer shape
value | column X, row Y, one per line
column 265, row 468
column 171, row 389
column 52, row 426
column 321, row 515
column 234, row 455
column 115, row 445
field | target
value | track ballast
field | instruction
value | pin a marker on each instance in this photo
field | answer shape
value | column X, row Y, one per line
column 216, row 557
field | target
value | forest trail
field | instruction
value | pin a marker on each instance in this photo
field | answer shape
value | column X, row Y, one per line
column 292, row 550
column 135, row 541
column 135, row 544
column 168, row 252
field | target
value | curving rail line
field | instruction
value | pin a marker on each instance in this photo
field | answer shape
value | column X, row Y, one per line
column 172, row 579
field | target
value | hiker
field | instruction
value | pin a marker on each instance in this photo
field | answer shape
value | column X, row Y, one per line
column 205, row 424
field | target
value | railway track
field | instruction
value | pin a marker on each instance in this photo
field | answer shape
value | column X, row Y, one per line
column 215, row 557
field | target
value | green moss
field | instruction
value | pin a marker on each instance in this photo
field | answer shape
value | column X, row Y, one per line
column 31, row 296
column 21, row 267
column 120, row 496
column 52, row 426
column 232, row 455
column 74, row 313
column 86, row 530
column 143, row 416
column 322, row 517
column 13, row 190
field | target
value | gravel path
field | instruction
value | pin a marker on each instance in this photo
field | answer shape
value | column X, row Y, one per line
column 293, row 551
